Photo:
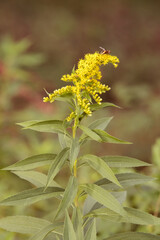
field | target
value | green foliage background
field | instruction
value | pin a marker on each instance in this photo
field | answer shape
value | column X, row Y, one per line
column 62, row 32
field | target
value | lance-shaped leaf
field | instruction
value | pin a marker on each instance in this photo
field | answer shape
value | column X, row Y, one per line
column 28, row 123
column 52, row 126
column 36, row 178
column 134, row 236
column 139, row 217
column 77, row 220
column 133, row 216
column 91, row 232
column 142, row 218
column 69, row 195
column 90, row 204
column 96, row 106
column 57, row 165
column 23, row 224
column 31, row 196
column 66, row 98
column 69, row 232
column 125, row 179
column 120, row 196
column 100, row 166
column 45, row 231
column 32, row 162
column 105, row 137
column 74, row 151
column 90, row 133
column 123, row 161
column 101, row 123
column 104, row 197
column 103, row 213
column 64, row 140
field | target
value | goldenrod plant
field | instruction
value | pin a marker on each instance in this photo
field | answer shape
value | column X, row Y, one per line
column 80, row 204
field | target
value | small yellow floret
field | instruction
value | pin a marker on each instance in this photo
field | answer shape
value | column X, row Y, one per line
column 71, row 116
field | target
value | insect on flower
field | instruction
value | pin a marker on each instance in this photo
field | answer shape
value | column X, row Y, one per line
column 104, row 51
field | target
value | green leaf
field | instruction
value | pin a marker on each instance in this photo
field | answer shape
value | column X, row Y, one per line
column 91, row 232
column 74, row 151
column 133, row 216
column 57, row 165
column 64, row 140
column 45, row 231
column 126, row 180
column 28, row 123
column 36, row 178
column 73, row 69
column 134, row 236
column 68, row 229
column 123, row 161
column 120, row 196
column 142, row 218
column 89, row 204
column 101, row 123
column 101, row 212
column 100, row 166
column 30, row 196
column 69, row 195
column 104, row 197
column 66, row 98
column 105, row 137
column 77, row 220
column 32, row 162
column 96, row 106
column 90, row 133
column 23, row 224
column 53, row 126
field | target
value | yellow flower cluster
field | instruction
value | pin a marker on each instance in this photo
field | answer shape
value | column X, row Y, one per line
column 86, row 82
column 59, row 92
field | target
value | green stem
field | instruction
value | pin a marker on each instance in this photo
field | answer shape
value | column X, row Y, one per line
column 75, row 168
column 75, row 120
column 74, row 128
column 75, row 163
column 75, row 175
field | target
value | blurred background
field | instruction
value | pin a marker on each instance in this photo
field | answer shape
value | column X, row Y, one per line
column 42, row 40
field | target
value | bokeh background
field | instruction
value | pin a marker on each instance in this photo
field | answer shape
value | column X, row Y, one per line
column 42, row 40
